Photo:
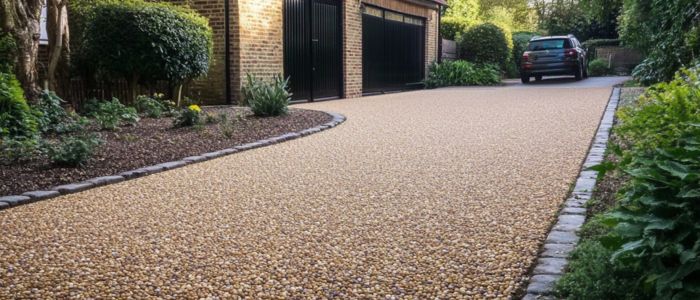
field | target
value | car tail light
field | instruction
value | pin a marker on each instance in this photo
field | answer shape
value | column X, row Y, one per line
column 570, row 53
column 526, row 57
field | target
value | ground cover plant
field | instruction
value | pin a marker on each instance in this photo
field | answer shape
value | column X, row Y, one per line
column 461, row 73
column 648, row 241
column 267, row 98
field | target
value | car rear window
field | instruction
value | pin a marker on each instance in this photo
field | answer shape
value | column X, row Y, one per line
column 549, row 44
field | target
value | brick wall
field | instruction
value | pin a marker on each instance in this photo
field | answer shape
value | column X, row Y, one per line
column 210, row 89
column 260, row 46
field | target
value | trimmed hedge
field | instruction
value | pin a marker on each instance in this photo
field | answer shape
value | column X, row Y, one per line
column 485, row 44
column 461, row 73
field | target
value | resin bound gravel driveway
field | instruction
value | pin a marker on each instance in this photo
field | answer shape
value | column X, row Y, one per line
column 429, row 194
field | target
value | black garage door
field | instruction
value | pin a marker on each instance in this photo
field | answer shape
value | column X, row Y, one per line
column 393, row 50
column 312, row 48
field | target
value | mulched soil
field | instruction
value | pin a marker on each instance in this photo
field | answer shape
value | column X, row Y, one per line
column 155, row 141
column 605, row 193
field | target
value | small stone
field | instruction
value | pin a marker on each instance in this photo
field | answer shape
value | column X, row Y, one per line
column 550, row 266
column 15, row 200
column 99, row 181
column 172, row 165
column 576, row 220
column 574, row 211
column 557, row 250
column 214, row 154
column 561, row 237
column 195, row 158
column 40, row 195
column 542, row 284
column 73, row 188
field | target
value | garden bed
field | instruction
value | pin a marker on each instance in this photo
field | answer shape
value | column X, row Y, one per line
column 155, row 141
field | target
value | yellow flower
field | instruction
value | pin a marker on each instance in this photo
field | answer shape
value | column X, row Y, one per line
column 194, row 108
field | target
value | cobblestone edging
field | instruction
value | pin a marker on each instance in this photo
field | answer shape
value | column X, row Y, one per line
column 563, row 237
column 34, row 196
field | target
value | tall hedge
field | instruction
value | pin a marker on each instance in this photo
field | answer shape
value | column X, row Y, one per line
column 485, row 44
column 145, row 42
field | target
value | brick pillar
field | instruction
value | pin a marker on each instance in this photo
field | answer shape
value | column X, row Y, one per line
column 352, row 49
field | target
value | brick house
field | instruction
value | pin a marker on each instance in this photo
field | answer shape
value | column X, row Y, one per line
column 328, row 48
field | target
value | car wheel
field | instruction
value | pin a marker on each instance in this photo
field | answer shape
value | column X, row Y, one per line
column 579, row 72
column 538, row 78
column 525, row 78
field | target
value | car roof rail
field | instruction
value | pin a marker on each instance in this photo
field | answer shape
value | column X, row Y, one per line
column 571, row 35
column 535, row 37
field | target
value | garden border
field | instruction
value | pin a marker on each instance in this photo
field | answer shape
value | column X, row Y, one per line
column 562, row 237
column 40, row 195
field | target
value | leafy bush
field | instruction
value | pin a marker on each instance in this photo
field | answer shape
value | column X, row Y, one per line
column 267, row 99
column 598, row 67
column 52, row 117
column 451, row 27
column 485, row 44
column 73, row 151
column 188, row 116
column 592, row 275
column 656, row 228
column 667, row 111
column 8, row 53
column 18, row 150
column 16, row 118
column 461, row 73
column 152, row 107
column 110, row 115
column 166, row 42
column 663, row 30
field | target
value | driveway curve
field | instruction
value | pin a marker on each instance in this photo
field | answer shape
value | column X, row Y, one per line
column 442, row 193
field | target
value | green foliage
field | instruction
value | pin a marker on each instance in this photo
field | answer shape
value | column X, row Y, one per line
column 8, row 53
column 52, row 117
column 226, row 126
column 592, row 275
column 267, row 99
column 663, row 115
column 452, row 27
column 166, row 42
column 73, row 151
column 461, row 73
column 188, row 116
column 16, row 118
column 110, row 115
column 17, row 150
column 485, row 44
column 152, row 107
column 598, row 67
column 562, row 17
column 665, row 31
column 520, row 41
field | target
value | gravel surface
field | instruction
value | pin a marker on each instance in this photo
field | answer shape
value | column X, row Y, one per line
column 429, row 194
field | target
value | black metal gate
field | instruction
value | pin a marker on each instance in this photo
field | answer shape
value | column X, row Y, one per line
column 313, row 48
column 393, row 50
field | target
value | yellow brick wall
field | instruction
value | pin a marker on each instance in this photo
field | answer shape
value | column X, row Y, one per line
column 352, row 49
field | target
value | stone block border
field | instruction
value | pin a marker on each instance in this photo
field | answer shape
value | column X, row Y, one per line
column 34, row 196
column 563, row 237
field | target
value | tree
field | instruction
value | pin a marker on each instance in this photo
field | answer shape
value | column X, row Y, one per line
column 165, row 42
column 59, row 44
column 21, row 19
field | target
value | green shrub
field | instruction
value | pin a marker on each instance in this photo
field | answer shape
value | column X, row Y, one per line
column 657, row 225
column 451, row 27
column 17, row 150
column 267, row 99
column 73, row 151
column 8, row 53
column 485, row 44
column 598, row 67
column 520, row 41
column 461, row 73
column 16, row 118
column 152, row 107
column 667, row 111
column 166, row 42
column 110, row 115
column 188, row 116
column 52, row 117
column 592, row 275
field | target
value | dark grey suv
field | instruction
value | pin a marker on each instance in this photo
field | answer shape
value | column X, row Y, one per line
column 553, row 55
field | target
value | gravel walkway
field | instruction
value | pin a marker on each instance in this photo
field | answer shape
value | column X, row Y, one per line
column 429, row 194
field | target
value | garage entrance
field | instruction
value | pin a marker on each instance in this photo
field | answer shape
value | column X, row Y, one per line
column 393, row 50
column 313, row 48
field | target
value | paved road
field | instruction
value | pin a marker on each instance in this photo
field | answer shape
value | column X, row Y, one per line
column 443, row 193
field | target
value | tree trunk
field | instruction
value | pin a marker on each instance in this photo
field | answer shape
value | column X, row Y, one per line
column 21, row 18
column 132, row 84
column 59, row 45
